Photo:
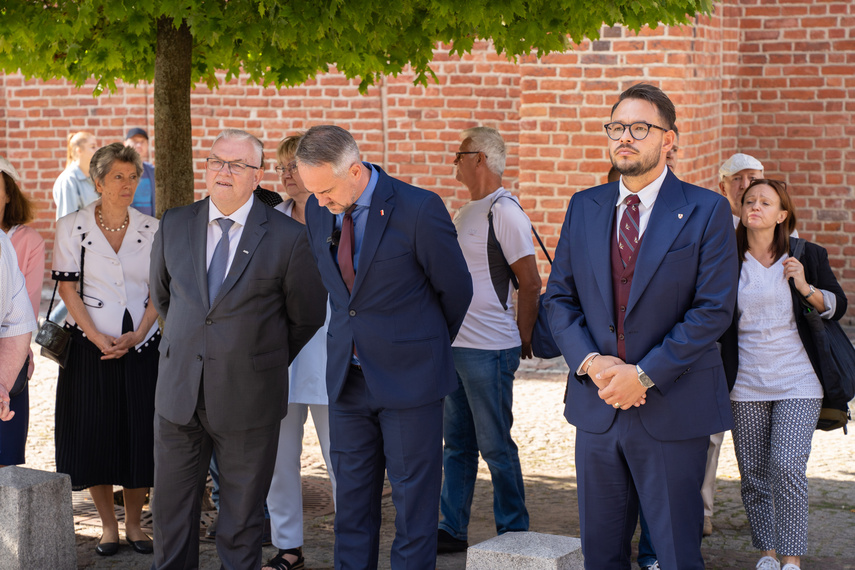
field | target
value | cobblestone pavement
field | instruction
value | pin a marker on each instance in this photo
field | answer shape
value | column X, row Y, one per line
column 546, row 451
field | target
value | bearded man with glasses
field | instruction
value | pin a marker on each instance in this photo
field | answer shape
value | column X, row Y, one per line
column 240, row 295
column 642, row 286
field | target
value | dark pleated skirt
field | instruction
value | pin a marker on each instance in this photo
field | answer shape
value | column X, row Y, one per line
column 105, row 416
column 13, row 433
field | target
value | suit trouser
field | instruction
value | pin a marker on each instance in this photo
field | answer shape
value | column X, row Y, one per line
column 285, row 497
column 367, row 439
column 625, row 465
column 181, row 457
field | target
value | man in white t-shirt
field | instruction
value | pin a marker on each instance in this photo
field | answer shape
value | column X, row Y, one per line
column 17, row 322
column 487, row 351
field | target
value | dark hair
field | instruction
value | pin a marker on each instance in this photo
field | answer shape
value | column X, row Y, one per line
column 103, row 159
column 781, row 242
column 19, row 210
column 654, row 96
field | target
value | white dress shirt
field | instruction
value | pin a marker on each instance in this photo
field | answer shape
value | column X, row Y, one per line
column 16, row 312
column 215, row 232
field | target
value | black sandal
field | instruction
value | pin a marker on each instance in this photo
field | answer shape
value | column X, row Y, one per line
column 278, row 562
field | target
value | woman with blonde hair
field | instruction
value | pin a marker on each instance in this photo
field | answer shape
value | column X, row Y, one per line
column 73, row 189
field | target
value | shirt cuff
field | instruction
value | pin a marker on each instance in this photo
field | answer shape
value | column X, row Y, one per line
column 830, row 302
column 580, row 371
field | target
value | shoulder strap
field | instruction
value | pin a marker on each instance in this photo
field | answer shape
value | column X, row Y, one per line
column 798, row 250
column 534, row 231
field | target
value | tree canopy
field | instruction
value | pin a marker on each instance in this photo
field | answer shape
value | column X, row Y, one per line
column 285, row 43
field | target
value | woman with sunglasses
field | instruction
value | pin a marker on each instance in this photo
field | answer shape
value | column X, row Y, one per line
column 773, row 370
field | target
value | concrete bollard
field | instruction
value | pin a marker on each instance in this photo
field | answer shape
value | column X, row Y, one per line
column 36, row 520
column 526, row 551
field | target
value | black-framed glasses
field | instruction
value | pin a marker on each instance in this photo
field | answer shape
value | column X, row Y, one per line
column 778, row 185
column 235, row 167
column 638, row 130
column 290, row 168
column 460, row 153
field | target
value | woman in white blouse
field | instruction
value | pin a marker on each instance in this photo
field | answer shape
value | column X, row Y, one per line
column 105, row 394
column 773, row 370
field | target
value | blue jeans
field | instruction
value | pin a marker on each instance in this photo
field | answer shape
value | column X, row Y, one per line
column 646, row 554
column 479, row 416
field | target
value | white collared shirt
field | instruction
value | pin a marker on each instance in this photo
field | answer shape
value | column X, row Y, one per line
column 647, row 195
column 214, row 232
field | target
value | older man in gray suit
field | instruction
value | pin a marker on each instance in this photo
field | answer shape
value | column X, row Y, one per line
column 240, row 293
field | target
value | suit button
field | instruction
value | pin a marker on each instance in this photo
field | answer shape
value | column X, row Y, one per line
column 622, row 309
column 199, row 357
column 352, row 313
column 611, row 328
column 209, row 322
column 620, row 337
column 623, row 280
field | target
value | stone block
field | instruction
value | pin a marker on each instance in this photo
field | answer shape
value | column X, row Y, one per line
column 526, row 551
column 36, row 520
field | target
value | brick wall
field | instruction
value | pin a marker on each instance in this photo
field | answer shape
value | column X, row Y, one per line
column 773, row 79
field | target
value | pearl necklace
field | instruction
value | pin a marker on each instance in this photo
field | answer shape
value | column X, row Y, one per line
column 120, row 228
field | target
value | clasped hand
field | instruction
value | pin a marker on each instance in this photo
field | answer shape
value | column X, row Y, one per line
column 618, row 382
column 113, row 348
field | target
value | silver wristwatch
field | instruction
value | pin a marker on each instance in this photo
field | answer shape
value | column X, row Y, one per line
column 644, row 378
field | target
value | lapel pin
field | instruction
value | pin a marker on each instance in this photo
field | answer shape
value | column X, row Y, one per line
column 246, row 252
column 382, row 212
column 679, row 216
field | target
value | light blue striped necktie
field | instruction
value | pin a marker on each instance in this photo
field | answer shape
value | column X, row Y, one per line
column 217, row 269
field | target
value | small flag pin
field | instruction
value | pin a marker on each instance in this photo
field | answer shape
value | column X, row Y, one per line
column 679, row 216
column 382, row 212
column 246, row 252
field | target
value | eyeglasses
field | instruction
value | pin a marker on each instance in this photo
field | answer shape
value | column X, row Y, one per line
column 458, row 154
column 290, row 168
column 216, row 165
column 639, row 130
column 778, row 185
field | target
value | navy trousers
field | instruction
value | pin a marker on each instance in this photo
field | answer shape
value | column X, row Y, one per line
column 366, row 441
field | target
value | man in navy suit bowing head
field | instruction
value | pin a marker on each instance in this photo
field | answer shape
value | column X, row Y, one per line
column 399, row 289
column 643, row 284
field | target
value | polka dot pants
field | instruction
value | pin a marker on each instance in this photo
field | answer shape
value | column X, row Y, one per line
column 772, row 441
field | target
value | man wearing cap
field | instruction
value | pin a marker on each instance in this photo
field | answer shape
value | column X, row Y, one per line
column 144, row 196
column 735, row 175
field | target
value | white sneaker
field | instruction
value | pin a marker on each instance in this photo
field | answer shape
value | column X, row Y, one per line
column 768, row 563
column 790, row 567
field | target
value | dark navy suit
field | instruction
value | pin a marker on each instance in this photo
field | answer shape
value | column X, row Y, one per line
column 410, row 295
column 680, row 302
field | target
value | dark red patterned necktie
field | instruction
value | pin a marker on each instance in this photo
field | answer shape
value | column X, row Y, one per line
column 345, row 249
column 629, row 230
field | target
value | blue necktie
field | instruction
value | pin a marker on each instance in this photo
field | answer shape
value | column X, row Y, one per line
column 217, row 269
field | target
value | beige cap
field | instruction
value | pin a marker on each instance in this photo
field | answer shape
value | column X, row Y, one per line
column 6, row 166
column 739, row 162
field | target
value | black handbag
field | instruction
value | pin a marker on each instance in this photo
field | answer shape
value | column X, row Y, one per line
column 836, row 362
column 55, row 339
column 542, row 343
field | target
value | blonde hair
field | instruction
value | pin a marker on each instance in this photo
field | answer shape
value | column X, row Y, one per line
column 76, row 140
column 288, row 146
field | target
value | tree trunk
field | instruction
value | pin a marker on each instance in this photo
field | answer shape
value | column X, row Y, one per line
column 174, row 148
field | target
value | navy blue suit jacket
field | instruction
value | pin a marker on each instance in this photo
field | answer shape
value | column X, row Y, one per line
column 411, row 292
column 680, row 302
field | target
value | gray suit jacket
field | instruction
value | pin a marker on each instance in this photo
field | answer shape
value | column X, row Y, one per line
column 271, row 303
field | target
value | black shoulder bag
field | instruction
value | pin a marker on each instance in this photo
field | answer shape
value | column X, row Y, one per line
column 542, row 343
column 52, row 337
column 836, row 361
